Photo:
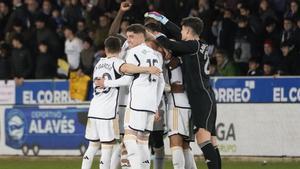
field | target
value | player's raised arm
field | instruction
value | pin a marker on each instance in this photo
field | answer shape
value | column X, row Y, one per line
column 171, row 27
column 115, row 26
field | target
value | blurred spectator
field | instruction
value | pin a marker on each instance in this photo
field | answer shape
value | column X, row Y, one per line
column 224, row 31
column 297, row 34
column 19, row 29
column 170, row 9
column 82, row 30
column 288, row 29
column 22, row 64
column 213, row 70
column 254, row 67
column 270, row 54
column 224, row 66
column 45, row 63
column 4, row 15
column 202, row 10
column 290, row 63
column 268, row 69
column 244, row 46
column 102, row 30
column 254, row 22
column 265, row 11
column 32, row 12
column 19, row 12
column 45, row 34
column 293, row 10
column 72, row 12
column 5, row 65
column 272, row 32
column 58, row 19
column 86, row 57
column 73, row 47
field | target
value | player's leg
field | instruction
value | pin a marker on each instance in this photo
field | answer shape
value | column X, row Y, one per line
column 157, row 143
column 91, row 134
column 176, row 143
column 142, row 141
column 108, row 132
column 214, row 143
column 133, row 122
column 116, row 157
column 89, row 155
column 204, row 117
column 125, row 164
column 188, row 156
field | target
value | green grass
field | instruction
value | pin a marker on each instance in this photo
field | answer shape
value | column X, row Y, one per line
column 75, row 163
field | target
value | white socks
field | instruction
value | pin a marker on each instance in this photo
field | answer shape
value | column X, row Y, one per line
column 178, row 157
column 189, row 159
column 144, row 154
column 106, row 153
column 133, row 152
column 89, row 155
column 116, row 157
column 159, row 158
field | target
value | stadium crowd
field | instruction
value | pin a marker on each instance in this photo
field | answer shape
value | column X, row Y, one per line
column 246, row 37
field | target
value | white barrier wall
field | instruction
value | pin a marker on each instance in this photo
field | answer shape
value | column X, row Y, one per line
column 242, row 129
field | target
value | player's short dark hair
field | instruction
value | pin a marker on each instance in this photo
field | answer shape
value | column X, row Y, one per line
column 155, row 27
column 136, row 28
column 112, row 44
column 195, row 23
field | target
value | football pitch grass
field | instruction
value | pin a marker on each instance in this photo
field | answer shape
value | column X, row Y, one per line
column 75, row 163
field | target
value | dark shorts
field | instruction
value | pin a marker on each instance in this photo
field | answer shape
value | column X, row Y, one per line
column 156, row 139
column 204, row 110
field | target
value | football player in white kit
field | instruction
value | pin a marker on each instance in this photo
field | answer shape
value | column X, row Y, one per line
column 179, row 117
column 144, row 97
column 102, row 125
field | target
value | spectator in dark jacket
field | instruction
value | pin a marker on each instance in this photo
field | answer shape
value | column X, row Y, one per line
column 265, row 11
column 82, row 30
column 293, row 10
column 5, row 69
column 270, row 54
column 290, row 63
column 224, row 31
column 45, row 63
column 22, row 64
column 254, row 67
column 268, row 69
column 254, row 21
column 45, row 34
column 86, row 57
column 288, row 29
column 272, row 32
column 19, row 12
column 4, row 15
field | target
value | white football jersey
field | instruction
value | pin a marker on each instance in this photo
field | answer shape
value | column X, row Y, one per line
column 146, row 90
column 124, row 90
column 104, row 104
column 180, row 100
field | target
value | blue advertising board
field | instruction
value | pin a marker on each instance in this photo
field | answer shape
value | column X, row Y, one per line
column 37, row 129
column 227, row 90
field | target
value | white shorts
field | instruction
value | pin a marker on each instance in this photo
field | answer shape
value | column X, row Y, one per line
column 102, row 130
column 121, row 113
column 138, row 120
column 178, row 121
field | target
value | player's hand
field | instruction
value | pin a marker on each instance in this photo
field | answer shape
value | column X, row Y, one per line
column 156, row 16
column 125, row 6
column 157, row 116
column 154, row 70
column 99, row 82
